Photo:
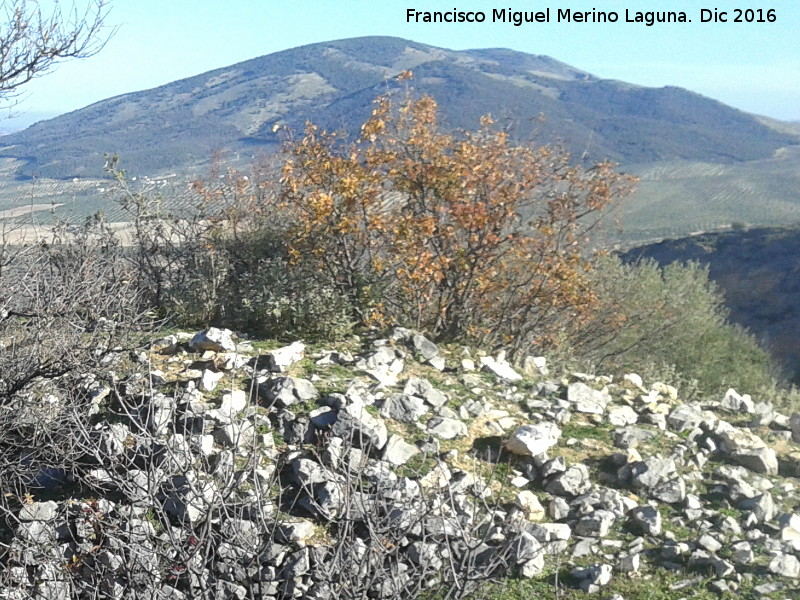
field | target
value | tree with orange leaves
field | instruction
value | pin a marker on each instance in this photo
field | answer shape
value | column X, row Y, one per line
column 468, row 237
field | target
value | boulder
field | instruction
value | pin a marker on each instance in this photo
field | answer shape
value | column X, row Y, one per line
column 572, row 482
column 621, row 416
column 213, row 339
column 531, row 440
column 398, row 452
column 649, row 473
column 595, row 524
column 529, row 503
column 279, row 360
column 590, row 579
column 425, row 348
column 38, row 511
column 422, row 388
column 735, row 403
column 501, row 369
column 587, row 400
column 446, row 428
column 355, row 423
column 645, row 519
column 749, row 450
column 785, row 565
column 403, row 408
column 295, row 532
column 685, row 416
column 285, row 391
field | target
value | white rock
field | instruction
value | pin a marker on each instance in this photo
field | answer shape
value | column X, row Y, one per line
column 530, row 440
column 530, row 505
column 210, row 379
column 785, row 565
column 634, row 379
column 397, row 451
column 750, row 451
column 535, row 365
column 620, row 416
column 586, row 399
column 279, row 360
column 734, row 402
column 213, row 339
column 502, row 369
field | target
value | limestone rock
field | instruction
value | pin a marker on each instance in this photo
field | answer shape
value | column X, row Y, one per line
column 213, row 339
column 749, row 450
column 646, row 519
column 355, row 423
column 620, row 416
column 38, row 511
column 736, row 403
column 572, row 482
column 501, row 369
column 422, row 388
column 446, row 428
column 397, row 451
column 285, row 391
column 586, row 399
column 530, row 505
column 531, row 440
column 280, row 359
column 403, row 408
column 685, row 417
column 590, row 579
column 785, row 565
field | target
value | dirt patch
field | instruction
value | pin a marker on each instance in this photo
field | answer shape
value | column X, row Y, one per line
column 26, row 210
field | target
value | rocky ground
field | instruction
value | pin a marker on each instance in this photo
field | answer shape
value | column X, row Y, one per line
column 218, row 467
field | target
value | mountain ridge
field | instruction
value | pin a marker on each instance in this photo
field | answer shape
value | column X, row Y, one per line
column 180, row 124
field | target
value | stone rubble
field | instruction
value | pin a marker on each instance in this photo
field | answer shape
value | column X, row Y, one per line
column 232, row 480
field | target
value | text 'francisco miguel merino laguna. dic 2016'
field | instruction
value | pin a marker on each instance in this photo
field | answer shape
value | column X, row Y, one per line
column 560, row 15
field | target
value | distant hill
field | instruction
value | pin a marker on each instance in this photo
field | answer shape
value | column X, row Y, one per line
column 179, row 125
column 759, row 272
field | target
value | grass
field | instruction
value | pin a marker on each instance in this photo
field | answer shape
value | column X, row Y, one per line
column 668, row 513
column 655, row 584
column 417, row 466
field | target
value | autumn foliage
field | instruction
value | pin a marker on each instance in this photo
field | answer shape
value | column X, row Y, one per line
column 468, row 237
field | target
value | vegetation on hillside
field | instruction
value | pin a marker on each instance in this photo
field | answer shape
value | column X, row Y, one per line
column 126, row 472
column 469, row 237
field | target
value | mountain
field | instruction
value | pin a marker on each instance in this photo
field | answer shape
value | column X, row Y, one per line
column 179, row 125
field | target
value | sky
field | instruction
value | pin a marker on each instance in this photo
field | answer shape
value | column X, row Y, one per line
column 751, row 66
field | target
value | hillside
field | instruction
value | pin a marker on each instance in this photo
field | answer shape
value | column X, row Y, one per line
column 758, row 270
column 179, row 125
column 218, row 467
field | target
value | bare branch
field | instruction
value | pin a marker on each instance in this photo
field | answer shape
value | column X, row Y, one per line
column 33, row 41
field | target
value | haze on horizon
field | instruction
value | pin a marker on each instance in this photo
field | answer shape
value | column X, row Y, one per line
column 752, row 67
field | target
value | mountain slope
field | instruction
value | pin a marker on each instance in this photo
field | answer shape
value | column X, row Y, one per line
column 180, row 124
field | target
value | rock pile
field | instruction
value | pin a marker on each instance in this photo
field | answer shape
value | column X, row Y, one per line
column 221, row 471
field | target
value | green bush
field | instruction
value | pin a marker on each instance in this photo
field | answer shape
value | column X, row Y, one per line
column 265, row 295
column 671, row 320
column 224, row 261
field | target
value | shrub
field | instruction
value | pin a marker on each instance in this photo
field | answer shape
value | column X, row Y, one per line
column 468, row 237
column 224, row 259
column 670, row 319
column 68, row 312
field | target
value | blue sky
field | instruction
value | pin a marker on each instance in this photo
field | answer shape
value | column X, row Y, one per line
column 755, row 67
